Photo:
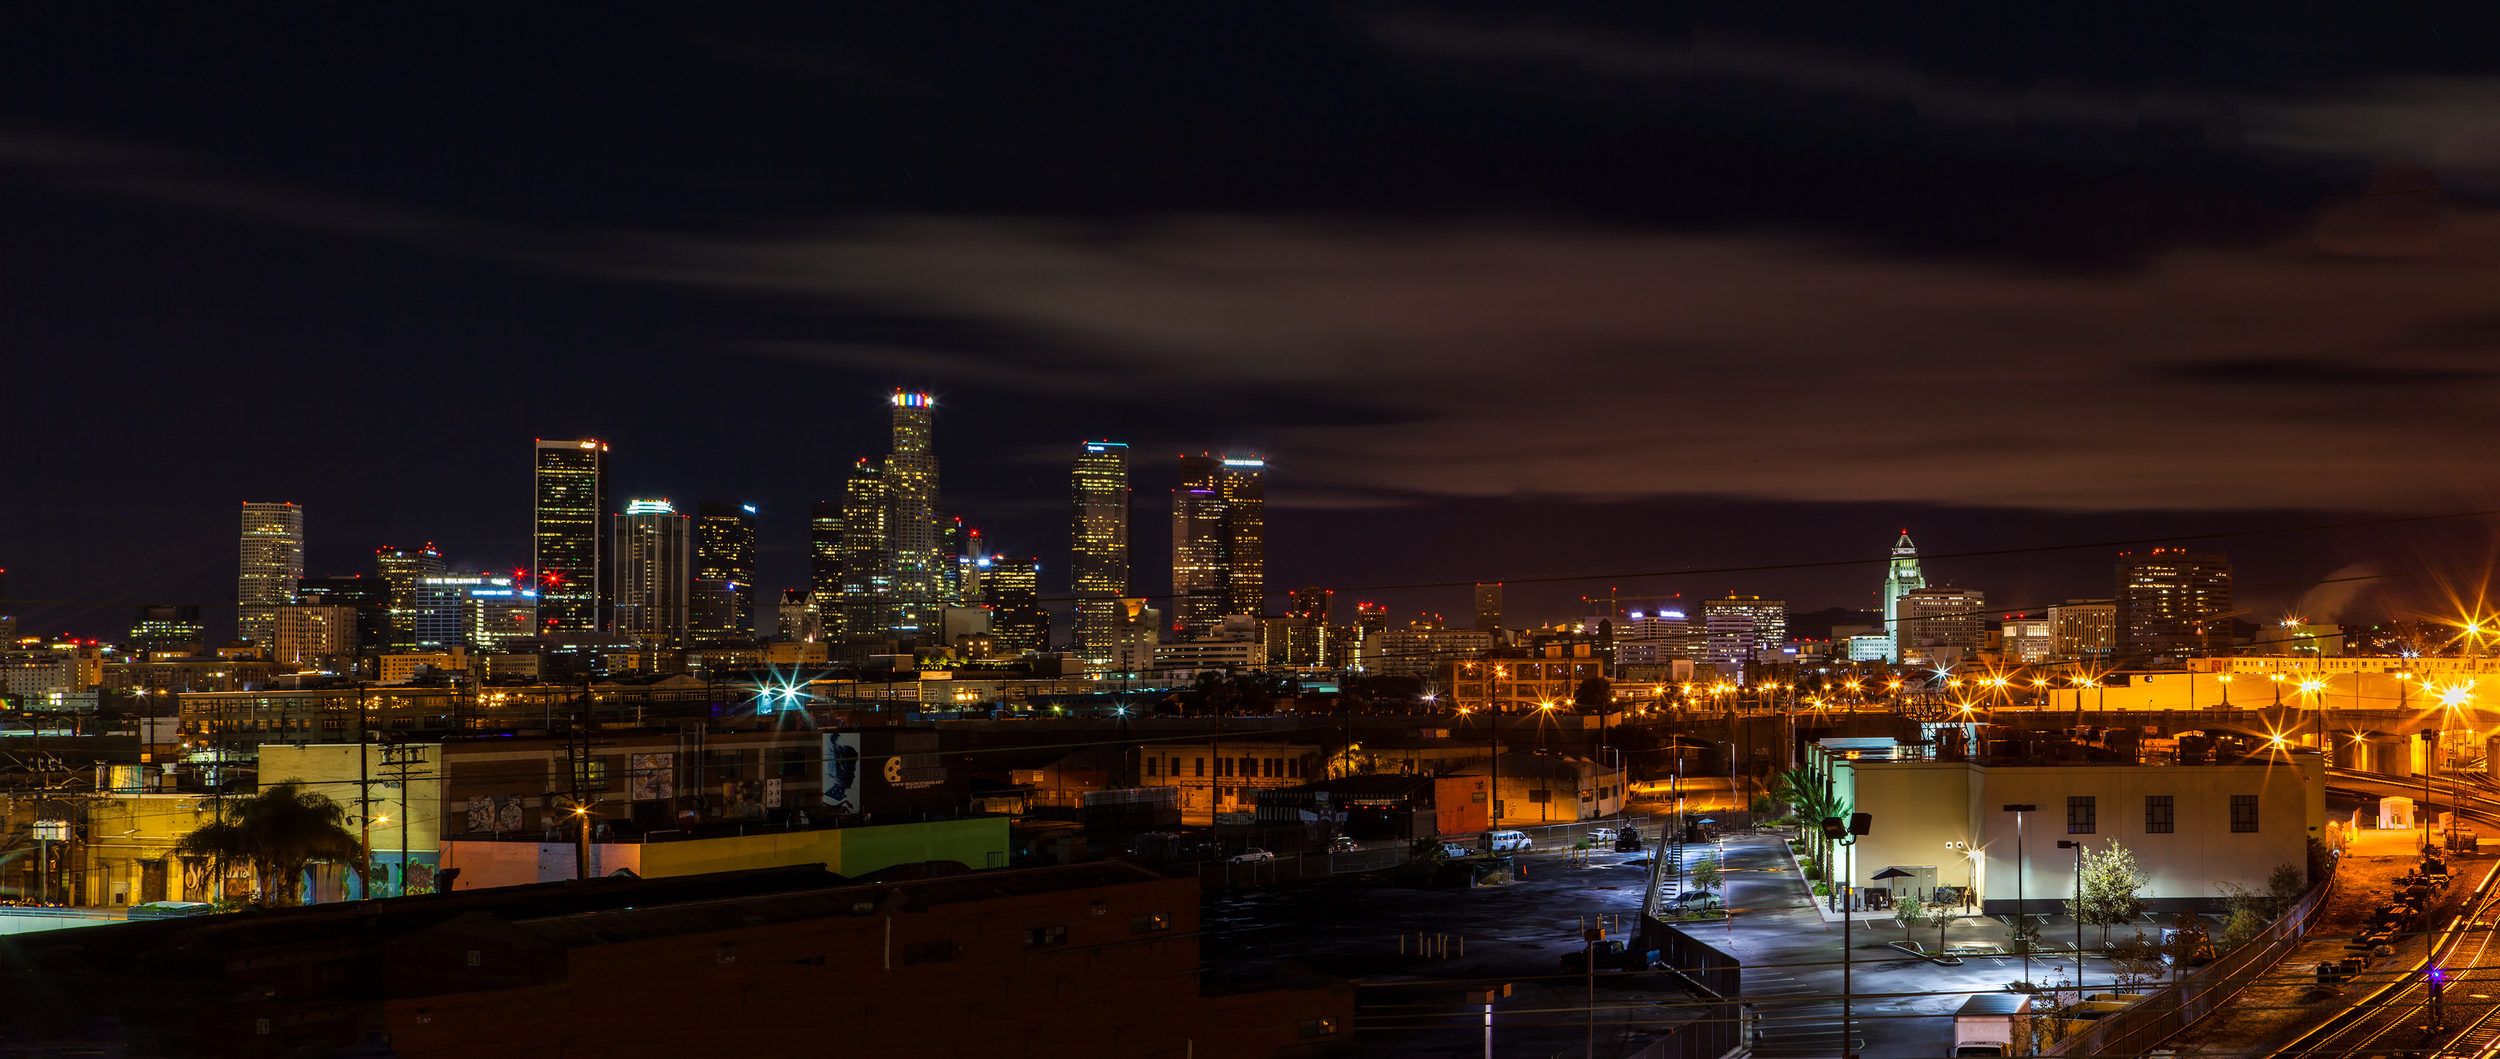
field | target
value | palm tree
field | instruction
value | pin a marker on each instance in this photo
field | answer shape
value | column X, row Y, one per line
column 278, row 832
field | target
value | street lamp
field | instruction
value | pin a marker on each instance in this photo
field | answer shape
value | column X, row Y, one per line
column 1846, row 836
column 2019, row 811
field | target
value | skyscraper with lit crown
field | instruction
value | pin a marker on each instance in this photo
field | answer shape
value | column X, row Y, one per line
column 1901, row 577
column 1098, row 576
column 1245, row 528
column 654, row 573
column 569, row 551
column 273, row 561
column 911, row 473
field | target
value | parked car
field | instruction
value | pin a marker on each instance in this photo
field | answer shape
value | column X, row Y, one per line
column 1599, row 836
column 1342, row 844
column 1252, row 855
column 1628, row 840
column 1453, row 851
column 1507, row 841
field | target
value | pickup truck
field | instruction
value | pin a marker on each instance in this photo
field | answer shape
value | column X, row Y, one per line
column 1611, row 956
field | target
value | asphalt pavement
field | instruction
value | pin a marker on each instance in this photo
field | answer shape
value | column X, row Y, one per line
column 1410, row 1004
column 1903, row 1005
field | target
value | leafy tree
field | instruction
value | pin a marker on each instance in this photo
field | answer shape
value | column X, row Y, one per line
column 1912, row 913
column 1941, row 908
column 279, row 832
column 2136, row 960
column 1595, row 695
column 2246, row 913
column 2284, row 885
column 1428, row 850
column 2188, row 941
column 2023, row 929
column 2111, row 891
column 1706, row 877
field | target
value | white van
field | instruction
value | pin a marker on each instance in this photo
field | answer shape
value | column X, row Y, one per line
column 1508, row 841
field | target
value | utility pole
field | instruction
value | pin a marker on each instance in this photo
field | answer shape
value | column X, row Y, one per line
column 2019, row 811
column 403, row 757
column 364, row 793
column 580, row 755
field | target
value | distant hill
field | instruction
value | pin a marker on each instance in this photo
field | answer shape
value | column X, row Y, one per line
column 1817, row 625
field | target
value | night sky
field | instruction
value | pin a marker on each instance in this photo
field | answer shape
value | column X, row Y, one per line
column 1501, row 291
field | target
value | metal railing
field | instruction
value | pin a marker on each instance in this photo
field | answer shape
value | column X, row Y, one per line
column 2138, row 1027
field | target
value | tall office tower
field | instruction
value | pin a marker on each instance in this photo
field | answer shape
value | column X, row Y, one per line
column 1312, row 602
column 1489, row 609
column 1245, row 532
column 1739, row 629
column 724, row 571
column 482, row 611
column 799, row 622
column 402, row 571
column 1201, row 587
column 824, row 554
column 171, row 627
column 569, row 563
column 975, row 563
column 911, row 472
column 950, row 571
column 370, row 597
column 2083, row 628
column 1901, row 577
column 1018, row 624
column 273, row 560
column 2172, row 604
column 1098, row 576
column 867, row 553
column 1941, row 626
column 654, row 573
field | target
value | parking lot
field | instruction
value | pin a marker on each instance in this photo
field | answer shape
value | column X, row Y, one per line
column 1410, row 1002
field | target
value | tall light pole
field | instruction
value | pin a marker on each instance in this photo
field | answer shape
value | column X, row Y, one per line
column 2018, row 811
column 1846, row 835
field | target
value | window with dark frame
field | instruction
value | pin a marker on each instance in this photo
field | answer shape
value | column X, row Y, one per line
column 2082, row 814
column 929, row 952
column 1148, row 924
column 1041, row 936
column 2158, row 817
column 2243, row 813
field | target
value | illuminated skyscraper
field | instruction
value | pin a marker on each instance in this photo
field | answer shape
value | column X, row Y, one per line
column 824, row 555
column 273, row 561
column 867, row 553
column 478, row 611
column 911, row 473
column 172, row 627
column 1245, row 530
column 1941, row 626
column 1741, row 629
column 1219, row 542
column 1099, row 542
column 1489, row 609
column 1901, row 577
column 1312, row 602
column 724, row 571
column 569, row 559
column 2172, row 604
column 1200, row 587
column 404, row 571
column 654, row 573
column 1018, row 624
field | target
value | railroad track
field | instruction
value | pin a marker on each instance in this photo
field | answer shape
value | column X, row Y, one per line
column 2396, row 1019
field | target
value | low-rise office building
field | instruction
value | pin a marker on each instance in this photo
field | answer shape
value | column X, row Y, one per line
column 2190, row 827
column 1548, row 788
